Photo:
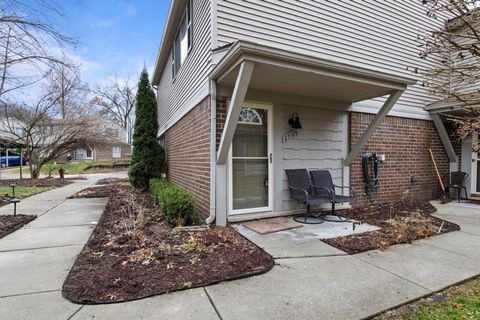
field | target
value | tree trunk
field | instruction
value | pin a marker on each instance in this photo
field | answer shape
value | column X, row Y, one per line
column 35, row 173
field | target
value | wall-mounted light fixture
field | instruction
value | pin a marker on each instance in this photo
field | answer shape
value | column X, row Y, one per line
column 294, row 121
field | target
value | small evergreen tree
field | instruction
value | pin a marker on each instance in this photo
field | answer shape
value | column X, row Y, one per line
column 148, row 157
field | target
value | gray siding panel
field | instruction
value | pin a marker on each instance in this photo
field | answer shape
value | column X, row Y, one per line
column 173, row 96
column 318, row 145
column 380, row 35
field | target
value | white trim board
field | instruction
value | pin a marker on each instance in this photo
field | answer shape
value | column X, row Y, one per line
column 372, row 107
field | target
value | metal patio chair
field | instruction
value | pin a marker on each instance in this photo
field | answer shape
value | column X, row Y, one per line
column 323, row 179
column 301, row 190
column 456, row 181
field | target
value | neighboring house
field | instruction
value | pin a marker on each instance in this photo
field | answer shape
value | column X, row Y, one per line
column 116, row 147
column 467, row 92
column 230, row 75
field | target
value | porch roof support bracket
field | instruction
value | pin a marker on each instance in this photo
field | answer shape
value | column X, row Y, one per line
column 382, row 113
column 236, row 104
column 442, row 132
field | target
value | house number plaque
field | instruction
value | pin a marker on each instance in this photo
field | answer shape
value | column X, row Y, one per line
column 289, row 136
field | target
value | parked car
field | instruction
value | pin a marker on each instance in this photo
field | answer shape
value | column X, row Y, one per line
column 13, row 160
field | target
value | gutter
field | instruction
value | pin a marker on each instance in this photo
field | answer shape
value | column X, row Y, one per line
column 213, row 149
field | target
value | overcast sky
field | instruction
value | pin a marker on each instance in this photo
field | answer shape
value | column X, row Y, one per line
column 115, row 36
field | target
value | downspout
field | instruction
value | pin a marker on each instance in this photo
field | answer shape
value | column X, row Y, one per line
column 213, row 151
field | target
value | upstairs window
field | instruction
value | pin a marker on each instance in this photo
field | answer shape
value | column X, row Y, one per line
column 183, row 40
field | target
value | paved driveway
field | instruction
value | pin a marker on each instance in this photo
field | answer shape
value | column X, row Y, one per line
column 311, row 280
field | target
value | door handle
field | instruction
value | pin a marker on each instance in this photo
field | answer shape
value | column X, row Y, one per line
column 271, row 158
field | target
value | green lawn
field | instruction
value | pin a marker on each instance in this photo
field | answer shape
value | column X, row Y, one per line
column 70, row 168
column 23, row 192
column 460, row 302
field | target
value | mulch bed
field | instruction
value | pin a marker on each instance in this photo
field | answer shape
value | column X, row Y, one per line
column 9, row 224
column 77, row 178
column 470, row 201
column 46, row 182
column 401, row 222
column 111, row 181
column 133, row 253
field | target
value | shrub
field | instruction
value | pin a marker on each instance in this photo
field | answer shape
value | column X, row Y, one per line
column 148, row 157
column 175, row 203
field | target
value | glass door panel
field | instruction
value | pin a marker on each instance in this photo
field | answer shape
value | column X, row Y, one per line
column 475, row 171
column 478, row 175
column 250, row 183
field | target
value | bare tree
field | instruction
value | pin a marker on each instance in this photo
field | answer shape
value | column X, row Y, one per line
column 454, row 53
column 27, row 36
column 72, row 92
column 47, row 129
column 117, row 101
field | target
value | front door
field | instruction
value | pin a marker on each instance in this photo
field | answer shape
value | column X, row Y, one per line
column 251, row 161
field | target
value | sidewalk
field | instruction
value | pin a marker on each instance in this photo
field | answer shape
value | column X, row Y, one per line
column 35, row 260
column 310, row 281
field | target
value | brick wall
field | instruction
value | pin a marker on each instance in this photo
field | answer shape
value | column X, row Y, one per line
column 405, row 143
column 105, row 153
column 187, row 145
column 221, row 117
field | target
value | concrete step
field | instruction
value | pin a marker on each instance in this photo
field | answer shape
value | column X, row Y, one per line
column 475, row 196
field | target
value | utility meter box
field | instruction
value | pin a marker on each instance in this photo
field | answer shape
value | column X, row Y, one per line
column 381, row 157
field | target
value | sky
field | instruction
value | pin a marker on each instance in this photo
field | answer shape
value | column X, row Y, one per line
column 115, row 36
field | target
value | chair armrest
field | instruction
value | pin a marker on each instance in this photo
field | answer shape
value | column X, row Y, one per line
column 299, row 189
column 351, row 189
column 331, row 193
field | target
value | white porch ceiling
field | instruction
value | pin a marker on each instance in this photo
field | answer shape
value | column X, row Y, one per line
column 301, row 83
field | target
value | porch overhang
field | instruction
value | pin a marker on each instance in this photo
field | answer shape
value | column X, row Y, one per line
column 248, row 66
column 452, row 107
column 441, row 110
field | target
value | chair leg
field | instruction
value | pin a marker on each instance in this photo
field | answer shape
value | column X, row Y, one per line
column 465, row 190
column 458, row 193
column 340, row 217
column 305, row 218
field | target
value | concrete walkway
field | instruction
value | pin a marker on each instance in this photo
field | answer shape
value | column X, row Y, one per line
column 35, row 260
column 310, row 281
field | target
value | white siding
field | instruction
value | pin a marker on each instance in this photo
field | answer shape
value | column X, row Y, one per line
column 175, row 96
column 380, row 35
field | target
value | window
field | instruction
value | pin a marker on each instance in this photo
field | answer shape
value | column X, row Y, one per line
column 89, row 153
column 117, row 152
column 183, row 40
column 161, row 141
column 250, row 116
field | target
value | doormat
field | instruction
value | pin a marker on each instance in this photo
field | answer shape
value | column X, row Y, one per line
column 266, row 226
